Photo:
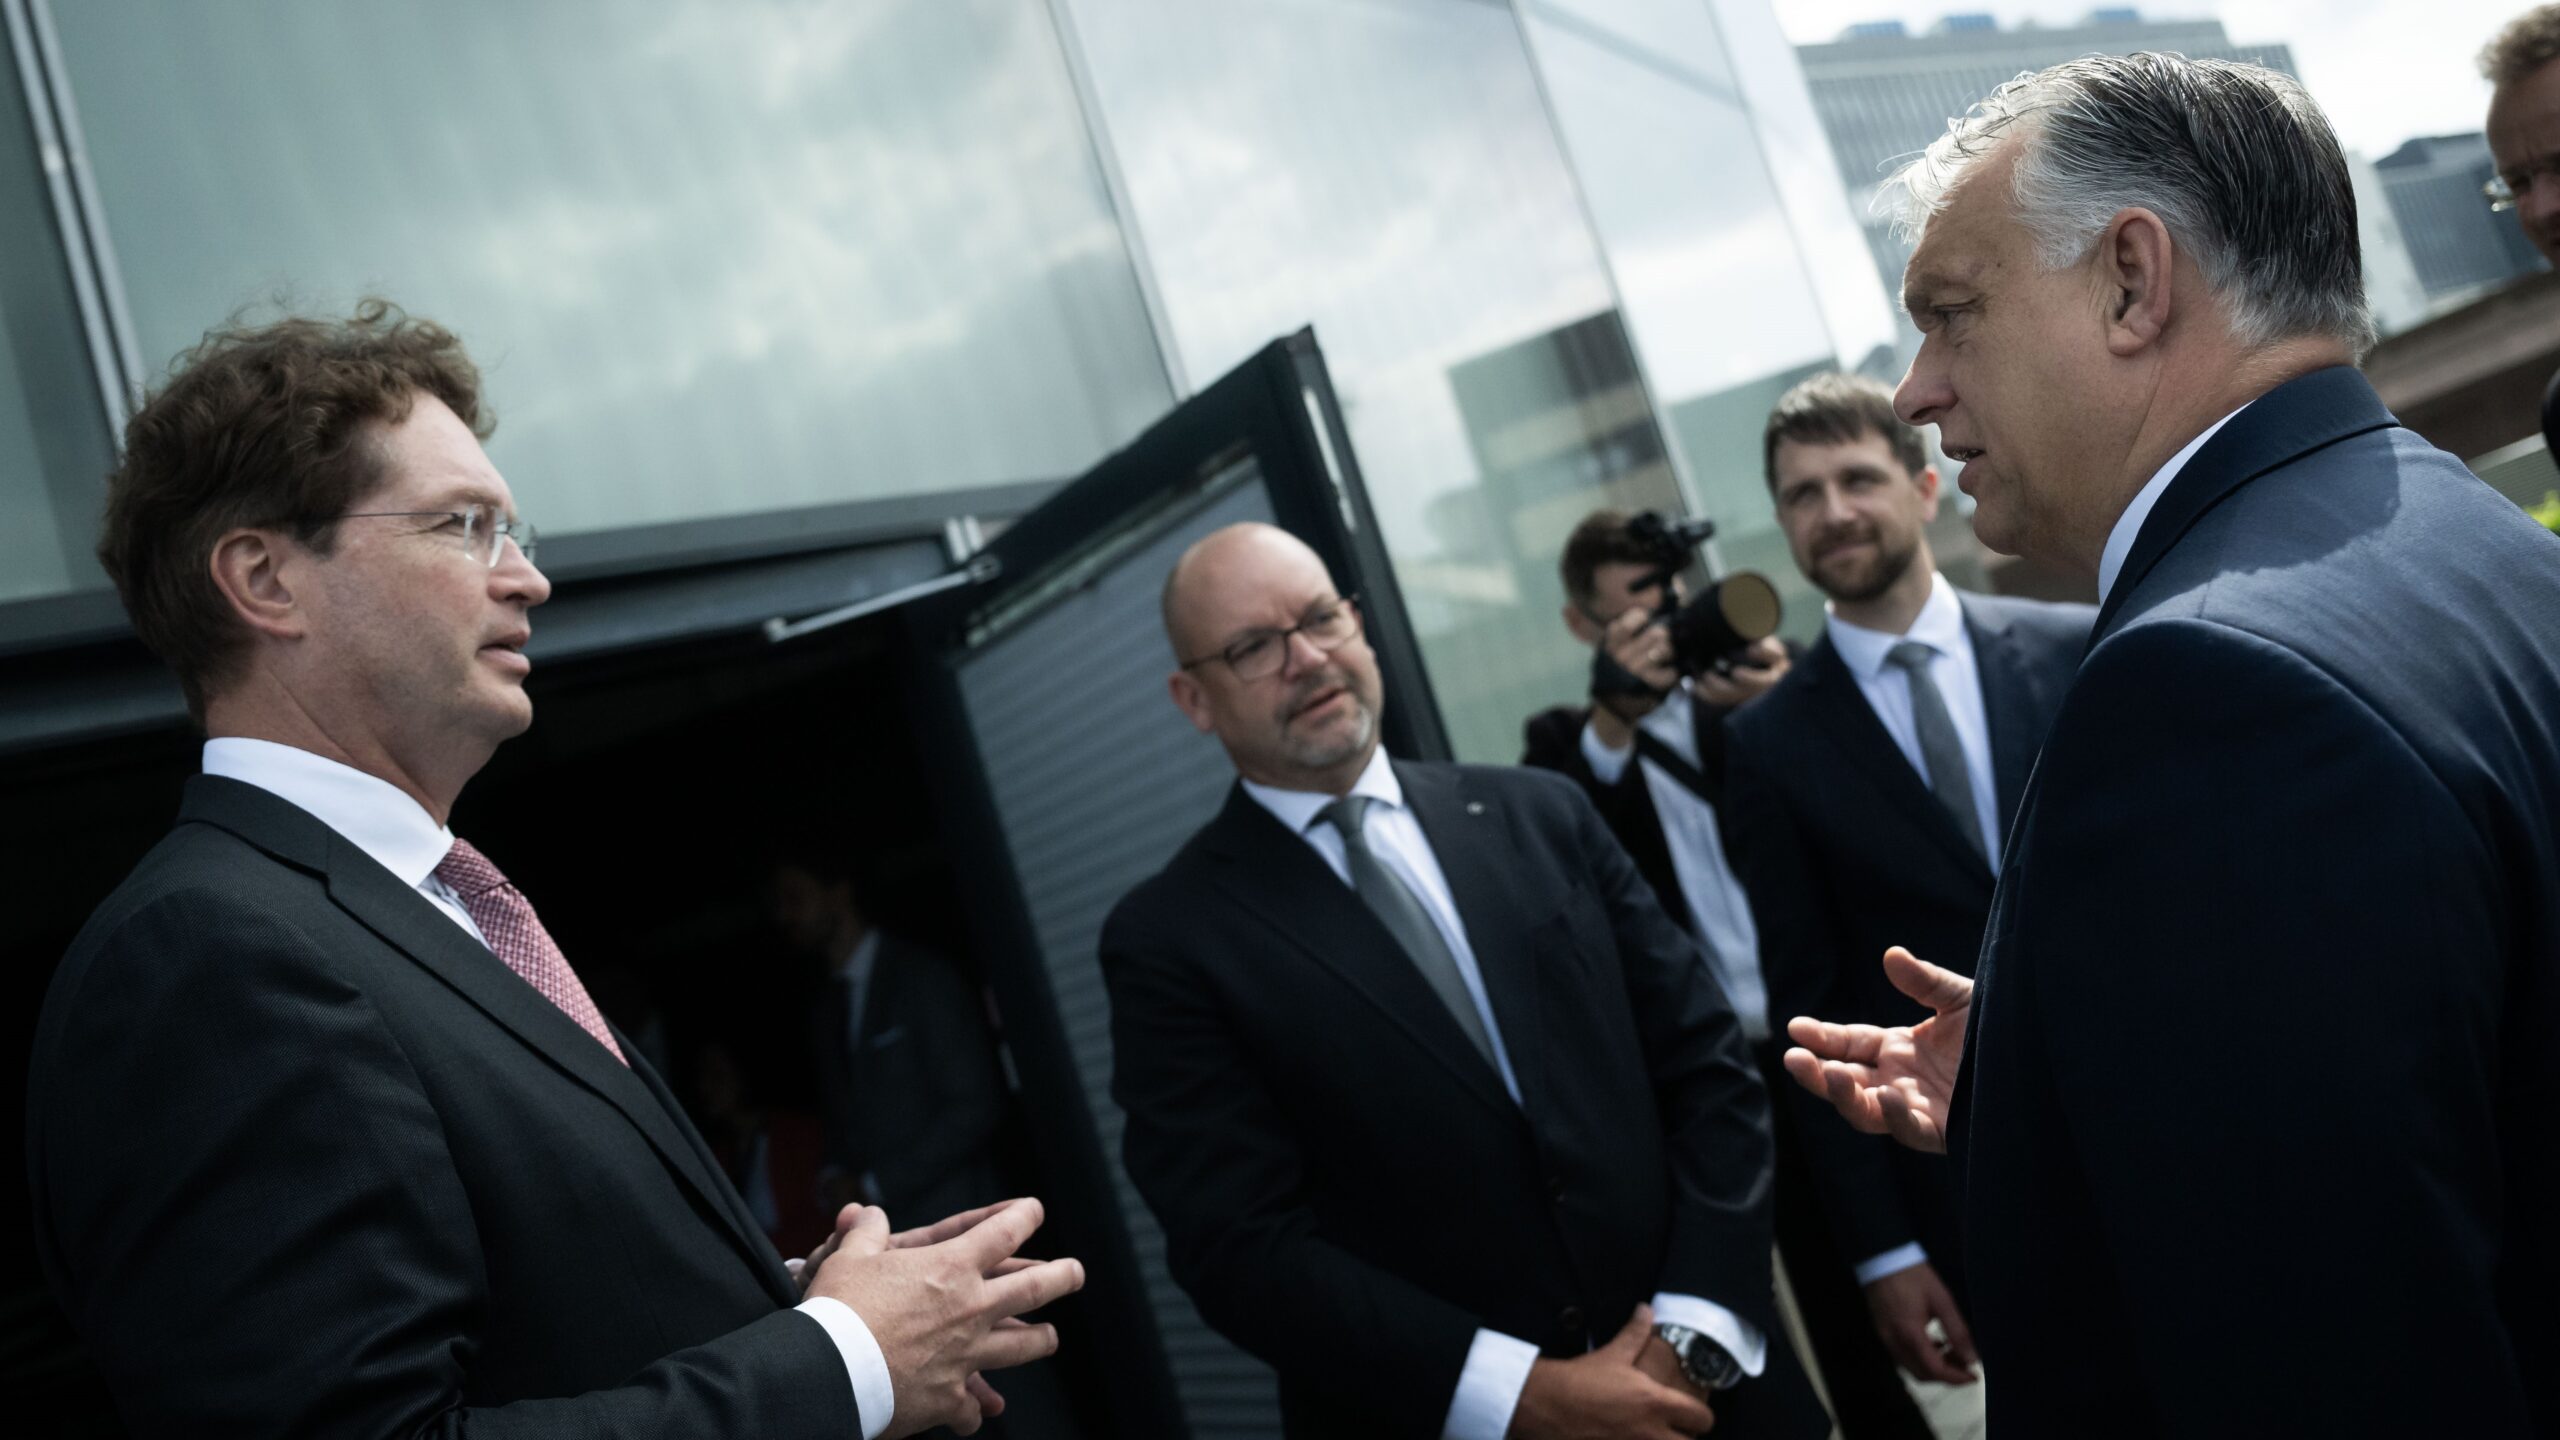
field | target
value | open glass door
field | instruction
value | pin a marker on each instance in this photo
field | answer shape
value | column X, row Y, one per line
column 1072, row 778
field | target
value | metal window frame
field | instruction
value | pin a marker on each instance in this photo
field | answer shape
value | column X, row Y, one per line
column 97, row 282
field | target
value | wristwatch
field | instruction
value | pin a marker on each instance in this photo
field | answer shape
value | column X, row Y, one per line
column 1708, row 1365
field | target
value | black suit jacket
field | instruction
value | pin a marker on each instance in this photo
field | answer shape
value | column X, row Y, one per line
column 1346, row 1188
column 2256, row 1125
column 1845, row 851
column 308, row 1160
column 917, row 1101
column 1552, row 740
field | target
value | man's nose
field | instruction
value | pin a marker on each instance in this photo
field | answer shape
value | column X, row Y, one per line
column 517, row 578
column 1304, row 654
column 1835, row 508
column 1924, row 394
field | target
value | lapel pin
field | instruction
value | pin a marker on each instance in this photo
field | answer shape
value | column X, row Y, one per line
column 1475, row 807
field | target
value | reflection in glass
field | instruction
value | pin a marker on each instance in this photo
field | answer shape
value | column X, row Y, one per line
column 1387, row 171
column 1738, row 263
column 54, row 444
column 717, row 256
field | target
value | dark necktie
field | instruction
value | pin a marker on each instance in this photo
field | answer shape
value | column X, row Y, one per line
column 1941, row 753
column 1402, row 912
column 507, row 922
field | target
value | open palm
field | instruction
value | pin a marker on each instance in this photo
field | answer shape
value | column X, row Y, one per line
column 1891, row 1080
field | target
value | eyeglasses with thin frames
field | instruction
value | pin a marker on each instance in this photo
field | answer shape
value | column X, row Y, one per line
column 1260, row 654
column 2508, row 186
column 482, row 529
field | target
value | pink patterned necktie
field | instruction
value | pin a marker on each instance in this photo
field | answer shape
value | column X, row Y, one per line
column 507, row 922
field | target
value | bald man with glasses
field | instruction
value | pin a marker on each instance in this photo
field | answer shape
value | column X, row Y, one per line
column 1444, row 1118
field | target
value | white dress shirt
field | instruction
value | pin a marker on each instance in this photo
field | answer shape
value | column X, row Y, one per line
column 1497, row 1365
column 2129, row 524
column 1940, row 626
column 1718, row 906
column 380, row 819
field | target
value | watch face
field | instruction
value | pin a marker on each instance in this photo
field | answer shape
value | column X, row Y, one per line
column 1707, row 1364
column 1713, row 1367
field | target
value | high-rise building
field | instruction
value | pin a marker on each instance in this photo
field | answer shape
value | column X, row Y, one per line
column 1884, row 93
column 2459, row 246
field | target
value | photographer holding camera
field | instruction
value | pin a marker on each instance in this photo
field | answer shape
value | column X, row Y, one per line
column 1662, row 689
column 1650, row 749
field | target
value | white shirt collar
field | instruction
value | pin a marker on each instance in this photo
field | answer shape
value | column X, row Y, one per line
column 1939, row 625
column 373, row 814
column 857, row 962
column 2129, row 524
column 1299, row 809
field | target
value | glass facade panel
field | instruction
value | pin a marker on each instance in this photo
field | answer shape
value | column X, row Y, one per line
column 1385, row 170
column 54, row 446
column 717, row 257
column 1696, row 203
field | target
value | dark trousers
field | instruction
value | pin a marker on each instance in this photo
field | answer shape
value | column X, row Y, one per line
column 1868, row 1398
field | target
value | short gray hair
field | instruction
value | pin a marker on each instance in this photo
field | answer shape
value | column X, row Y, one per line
column 2236, row 160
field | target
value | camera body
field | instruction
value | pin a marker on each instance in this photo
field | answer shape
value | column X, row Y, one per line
column 1708, row 632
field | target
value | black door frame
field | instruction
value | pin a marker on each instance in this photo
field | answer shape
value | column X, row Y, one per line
column 1279, row 409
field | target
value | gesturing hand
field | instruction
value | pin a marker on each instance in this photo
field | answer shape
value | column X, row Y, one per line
column 941, row 1302
column 1606, row 1396
column 1895, row 1081
column 1903, row 1303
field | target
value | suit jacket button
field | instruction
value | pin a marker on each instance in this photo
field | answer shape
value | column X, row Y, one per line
column 1570, row 1318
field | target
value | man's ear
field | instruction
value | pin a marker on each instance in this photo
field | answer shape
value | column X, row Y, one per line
column 249, row 569
column 2137, row 261
column 1188, row 697
column 1580, row 624
column 1927, row 480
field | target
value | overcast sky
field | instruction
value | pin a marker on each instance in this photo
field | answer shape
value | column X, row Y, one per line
column 2384, row 69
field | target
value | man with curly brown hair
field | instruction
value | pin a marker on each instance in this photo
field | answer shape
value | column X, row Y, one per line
column 325, row 1133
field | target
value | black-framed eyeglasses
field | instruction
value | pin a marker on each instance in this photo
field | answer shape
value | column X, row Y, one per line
column 2508, row 186
column 481, row 529
column 1259, row 654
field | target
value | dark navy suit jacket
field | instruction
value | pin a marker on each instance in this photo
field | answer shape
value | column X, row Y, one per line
column 1845, row 851
column 1347, row 1189
column 307, row 1159
column 2257, row 1127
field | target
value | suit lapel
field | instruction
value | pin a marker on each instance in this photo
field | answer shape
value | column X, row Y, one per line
column 2291, row 420
column 1283, row 882
column 1844, row 711
column 762, row 1254
column 1471, row 838
column 410, row 924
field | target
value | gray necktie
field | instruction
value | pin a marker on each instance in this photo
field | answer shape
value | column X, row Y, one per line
column 1941, row 753
column 1402, row 912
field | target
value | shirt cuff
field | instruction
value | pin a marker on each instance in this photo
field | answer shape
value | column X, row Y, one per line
column 864, row 1365
column 1606, row 764
column 1741, row 1340
column 1489, row 1387
column 1891, row 1262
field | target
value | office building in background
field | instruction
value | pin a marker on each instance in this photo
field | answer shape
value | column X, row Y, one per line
column 1884, row 93
column 2459, row 246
